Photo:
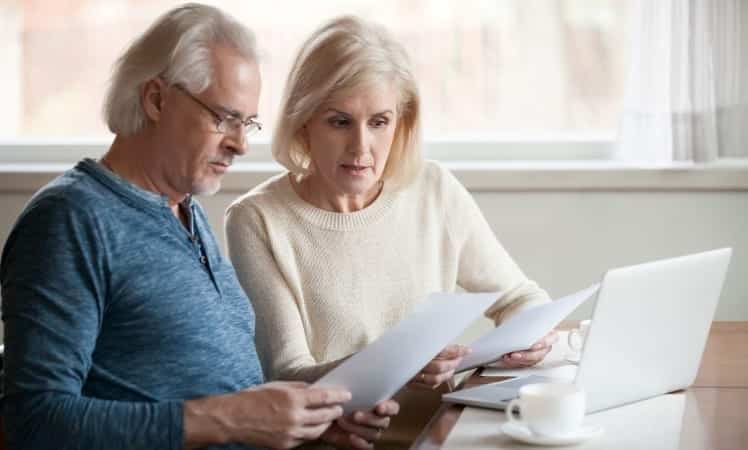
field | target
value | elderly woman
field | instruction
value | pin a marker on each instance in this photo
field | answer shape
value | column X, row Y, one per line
column 360, row 229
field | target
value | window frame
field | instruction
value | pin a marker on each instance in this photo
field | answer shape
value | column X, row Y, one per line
column 525, row 165
column 509, row 148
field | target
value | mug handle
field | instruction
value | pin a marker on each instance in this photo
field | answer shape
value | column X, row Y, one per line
column 516, row 403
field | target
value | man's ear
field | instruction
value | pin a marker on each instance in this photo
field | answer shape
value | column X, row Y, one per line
column 152, row 96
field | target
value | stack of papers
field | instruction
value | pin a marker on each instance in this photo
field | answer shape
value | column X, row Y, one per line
column 380, row 369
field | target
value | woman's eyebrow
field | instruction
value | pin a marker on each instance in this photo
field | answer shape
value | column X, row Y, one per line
column 337, row 111
column 381, row 113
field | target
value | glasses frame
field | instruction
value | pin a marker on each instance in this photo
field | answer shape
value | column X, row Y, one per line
column 224, row 122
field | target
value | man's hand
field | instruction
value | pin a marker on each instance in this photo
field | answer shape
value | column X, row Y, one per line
column 441, row 368
column 277, row 415
column 533, row 355
column 361, row 429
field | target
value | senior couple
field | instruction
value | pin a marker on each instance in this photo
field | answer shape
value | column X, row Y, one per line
column 125, row 326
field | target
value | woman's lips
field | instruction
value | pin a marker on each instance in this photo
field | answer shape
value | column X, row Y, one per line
column 354, row 169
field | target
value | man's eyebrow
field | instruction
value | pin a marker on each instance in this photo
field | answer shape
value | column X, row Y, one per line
column 235, row 113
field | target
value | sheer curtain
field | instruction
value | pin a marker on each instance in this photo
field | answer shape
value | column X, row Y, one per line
column 687, row 88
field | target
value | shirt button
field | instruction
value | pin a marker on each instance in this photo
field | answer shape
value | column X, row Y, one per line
column 203, row 260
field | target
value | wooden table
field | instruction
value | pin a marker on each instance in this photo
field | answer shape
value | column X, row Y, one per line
column 712, row 414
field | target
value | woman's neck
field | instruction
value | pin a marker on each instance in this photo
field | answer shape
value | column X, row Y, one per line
column 311, row 192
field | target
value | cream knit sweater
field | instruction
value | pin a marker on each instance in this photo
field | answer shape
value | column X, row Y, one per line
column 325, row 284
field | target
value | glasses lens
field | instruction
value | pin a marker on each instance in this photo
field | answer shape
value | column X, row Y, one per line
column 252, row 127
column 234, row 126
column 230, row 125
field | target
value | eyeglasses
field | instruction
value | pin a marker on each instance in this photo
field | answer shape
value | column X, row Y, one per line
column 226, row 124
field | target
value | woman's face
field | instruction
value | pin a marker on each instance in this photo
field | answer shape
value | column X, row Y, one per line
column 349, row 141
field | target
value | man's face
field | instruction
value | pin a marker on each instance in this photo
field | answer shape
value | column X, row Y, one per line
column 194, row 154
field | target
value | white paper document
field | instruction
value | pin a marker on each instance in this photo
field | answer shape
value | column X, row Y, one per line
column 522, row 330
column 380, row 369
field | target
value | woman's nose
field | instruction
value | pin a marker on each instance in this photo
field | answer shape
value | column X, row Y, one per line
column 360, row 140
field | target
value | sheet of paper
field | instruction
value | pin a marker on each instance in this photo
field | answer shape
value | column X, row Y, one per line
column 523, row 329
column 380, row 369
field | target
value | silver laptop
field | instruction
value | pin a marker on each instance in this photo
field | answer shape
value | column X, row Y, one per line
column 648, row 332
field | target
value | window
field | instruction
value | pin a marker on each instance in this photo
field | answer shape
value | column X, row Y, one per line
column 489, row 71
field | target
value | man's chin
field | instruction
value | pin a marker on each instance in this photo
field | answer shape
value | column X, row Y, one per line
column 207, row 189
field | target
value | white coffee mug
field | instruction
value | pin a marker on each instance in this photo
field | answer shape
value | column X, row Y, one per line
column 576, row 336
column 549, row 409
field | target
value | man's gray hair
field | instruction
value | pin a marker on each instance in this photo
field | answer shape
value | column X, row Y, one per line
column 178, row 48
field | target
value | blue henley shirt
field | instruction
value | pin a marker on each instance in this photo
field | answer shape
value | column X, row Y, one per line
column 115, row 313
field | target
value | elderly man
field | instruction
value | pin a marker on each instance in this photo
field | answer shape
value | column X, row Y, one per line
column 125, row 327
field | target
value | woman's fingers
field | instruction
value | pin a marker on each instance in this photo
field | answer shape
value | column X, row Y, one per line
column 546, row 341
column 525, row 358
column 441, row 368
column 437, row 366
column 453, row 351
column 534, row 354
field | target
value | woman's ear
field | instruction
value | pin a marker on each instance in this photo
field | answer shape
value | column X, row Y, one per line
column 304, row 138
column 152, row 96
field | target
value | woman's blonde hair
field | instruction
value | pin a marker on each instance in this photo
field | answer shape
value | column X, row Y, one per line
column 178, row 47
column 343, row 55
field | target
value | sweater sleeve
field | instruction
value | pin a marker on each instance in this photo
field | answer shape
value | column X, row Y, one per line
column 53, row 304
column 484, row 264
column 281, row 338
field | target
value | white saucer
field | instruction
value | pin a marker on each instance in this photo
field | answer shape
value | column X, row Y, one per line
column 521, row 433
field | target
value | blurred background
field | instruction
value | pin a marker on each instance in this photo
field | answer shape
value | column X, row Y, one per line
column 486, row 68
column 523, row 101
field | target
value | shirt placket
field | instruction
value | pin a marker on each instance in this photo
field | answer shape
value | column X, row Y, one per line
column 197, row 244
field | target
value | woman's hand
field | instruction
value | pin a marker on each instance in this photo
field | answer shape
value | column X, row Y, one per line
column 361, row 429
column 533, row 355
column 441, row 368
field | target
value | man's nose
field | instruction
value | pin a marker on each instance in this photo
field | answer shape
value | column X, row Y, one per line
column 237, row 143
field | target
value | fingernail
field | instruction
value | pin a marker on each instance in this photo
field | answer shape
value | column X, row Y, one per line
column 517, row 355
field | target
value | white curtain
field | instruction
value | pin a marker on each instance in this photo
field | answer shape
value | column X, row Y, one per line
column 687, row 88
